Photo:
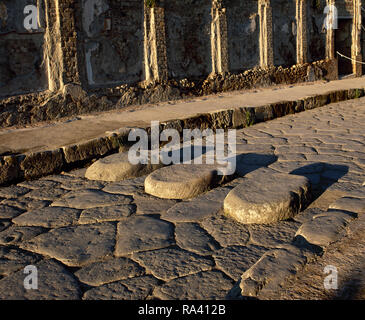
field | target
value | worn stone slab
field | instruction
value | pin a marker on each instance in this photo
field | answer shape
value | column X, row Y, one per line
column 13, row 259
column 49, row 217
column 324, row 229
column 8, row 212
column 115, row 269
column 129, row 187
column 151, row 205
column 26, row 204
column 235, row 260
column 266, row 200
column 16, row 235
column 76, row 246
column 349, row 204
column 170, row 263
column 191, row 237
column 183, row 181
column 86, row 199
column 308, row 214
column 13, row 191
column 141, row 233
column 54, row 283
column 38, row 184
column 131, row 289
column 73, row 185
column 103, row 214
column 226, row 231
column 196, row 287
column 117, row 167
column 271, row 270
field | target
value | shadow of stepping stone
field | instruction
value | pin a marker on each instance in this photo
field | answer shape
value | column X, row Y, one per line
column 182, row 181
column 76, row 246
column 115, row 269
column 141, row 233
column 118, row 167
column 49, row 217
column 131, row 289
column 87, row 199
column 171, row 263
column 266, row 198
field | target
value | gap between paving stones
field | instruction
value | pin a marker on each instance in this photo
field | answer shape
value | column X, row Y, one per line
column 19, row 167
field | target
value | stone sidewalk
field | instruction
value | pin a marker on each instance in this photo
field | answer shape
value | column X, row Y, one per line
column 47, row 148
column 111, row 240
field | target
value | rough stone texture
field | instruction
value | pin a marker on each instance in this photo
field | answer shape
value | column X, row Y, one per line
column 117, row 167
column 49, row 217
column 129, row 187
column 4, row 224
column 191, row 237
column 54, row 283
column 267, row 200
column 151, row 205
column 170, row 263
column 113, row 213
column 115, row 269
column 325, row 228
column 87, row 199
column 17, row 235
column 131, row 289
column 13, row 191
column 235, row 260
column 50, row 194
column 7, row 212
column 141, row 233
column 76, row 246
column 349, row 204
column 196, row 287
column 181, row 181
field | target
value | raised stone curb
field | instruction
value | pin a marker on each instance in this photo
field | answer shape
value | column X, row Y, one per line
column 12, row 168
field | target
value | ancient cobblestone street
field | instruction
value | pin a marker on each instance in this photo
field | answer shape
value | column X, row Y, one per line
column 111, row 240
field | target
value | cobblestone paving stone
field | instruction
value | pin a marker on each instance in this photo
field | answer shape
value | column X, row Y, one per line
column 111, row 240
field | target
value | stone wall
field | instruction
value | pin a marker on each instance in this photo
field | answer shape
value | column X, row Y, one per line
column 94, row 55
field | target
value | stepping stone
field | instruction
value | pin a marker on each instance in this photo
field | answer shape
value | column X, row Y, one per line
column 267, row 198
column 117, row 167
column 349, row 204
column 55, row 283
column 183, row 181
column 87, row 199
column 113, row 213
column 76, row 246
column 49, row 217
column 170, row 263
column 115, row 269
column 16, row 235
column 131, row 289
column 141, row 233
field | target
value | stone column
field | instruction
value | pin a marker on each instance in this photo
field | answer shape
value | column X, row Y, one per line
column 356, row 39
column 219, row 38
column 155, row 42
column 330, row 33
column 301, row 18
column 266, row 38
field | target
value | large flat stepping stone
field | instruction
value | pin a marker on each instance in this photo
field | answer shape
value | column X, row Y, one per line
column 349, row 204
column 117, row 167
column 170, row 263
column 209, row 285
column 76, row 246
column 182, row 181
column 54, row 283
column 49, row 217
column 142, row 233
column 103, row 214
column 86, row 199
column 267, row 198
column 115, row 269
column 138, row 288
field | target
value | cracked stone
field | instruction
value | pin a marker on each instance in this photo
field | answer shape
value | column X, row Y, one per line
column 16, row 235
column 117, row 167
column 131, row 289
column 183, row 181
column 170, row 263
column 49, row 217
column 39, row 184
column 235, row 260
column 152, row 205
column 196, row 287
column 46, row 194
column 268, row 199
column 76, row 246
column 26, row 204
column 113, row 213
column 349, row 204
column 191, row 237
column 54, row 283
column 115, row 269
column 87, row 199
column 13, row 191
column 141, row 233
